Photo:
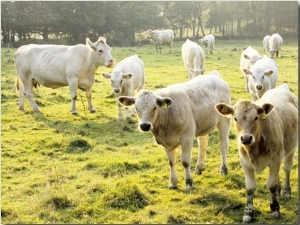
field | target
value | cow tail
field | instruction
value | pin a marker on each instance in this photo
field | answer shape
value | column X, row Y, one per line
column 17, row 83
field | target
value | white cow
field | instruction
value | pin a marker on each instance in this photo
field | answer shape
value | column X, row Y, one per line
column 193, row 58
column 161, row 37
column 275, row 43
column 57, row 66
column 267, row 133
column 262, row 77
column 177, row 114
column 248, row 58
column 209, row 42
column 127, row 77
column 266, row 43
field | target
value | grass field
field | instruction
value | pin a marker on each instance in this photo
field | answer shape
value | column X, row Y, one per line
column 94, row 168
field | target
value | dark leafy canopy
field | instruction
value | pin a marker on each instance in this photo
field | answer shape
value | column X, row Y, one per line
column 69, row 22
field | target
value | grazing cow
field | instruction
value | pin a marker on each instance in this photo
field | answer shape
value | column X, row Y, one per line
column 262, row 77
column 266, row 43
column 161, row 37
column 57, row 66
column 193, row 58
column 209, row 42
column 267, row 134
column 248, row 58
column 177, row 114
column 127, row 77
column 275, row 43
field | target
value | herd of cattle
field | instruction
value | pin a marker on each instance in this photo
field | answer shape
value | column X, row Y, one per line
column 266, row 127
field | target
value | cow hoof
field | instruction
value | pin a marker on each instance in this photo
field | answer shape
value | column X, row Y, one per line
column 275, row 214
column 198, row 171
column 171, row 187
column 93, row 110
column 247, row 219
column 224, row 170
column 189, row 188
column 75, row 113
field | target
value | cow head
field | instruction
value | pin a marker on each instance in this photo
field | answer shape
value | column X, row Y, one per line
column 102, row 52
column 196, row 72
column 117, row 79
column 147, row 105
column 247, row 116
column 257, row 76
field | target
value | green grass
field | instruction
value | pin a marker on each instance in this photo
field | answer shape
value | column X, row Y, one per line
column 94, row 168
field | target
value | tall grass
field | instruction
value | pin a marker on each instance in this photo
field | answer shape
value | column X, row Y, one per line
column 94, row 168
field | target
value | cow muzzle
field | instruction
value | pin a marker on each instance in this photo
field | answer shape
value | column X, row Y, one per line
column 258, row 87
column 145, row 126
column 116, row 90
column 111, row 63
column 247, row 139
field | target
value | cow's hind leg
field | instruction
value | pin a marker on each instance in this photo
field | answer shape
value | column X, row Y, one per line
column 202, row 148
column 186, row 157
column 21, row 97
column 73, row 93
column 272, row 184
column 288, row 164
column 27, row 91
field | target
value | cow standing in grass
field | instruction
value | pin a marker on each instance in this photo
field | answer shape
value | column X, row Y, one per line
column 177, row 114
column 248, row 58
column 57, row 66
column 262, row 77
column 208, row 42
column 127, row 77
column 275, row 43
column 161, row 37
column 193, row 58
column 267, row 134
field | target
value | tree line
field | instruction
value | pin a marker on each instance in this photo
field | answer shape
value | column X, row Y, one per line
column 122, row 22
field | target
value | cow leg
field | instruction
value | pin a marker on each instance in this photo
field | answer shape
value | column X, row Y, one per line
column 120, row 110
column 277, row 52
column 27, row 91
column 288, row 164
column 202, row 148
column 73, row 92
column 186, row 157
column 89, row 100
column 250, row 187
column 172, row 162
column 272, row 184
column 223, row 131
column 246, row 83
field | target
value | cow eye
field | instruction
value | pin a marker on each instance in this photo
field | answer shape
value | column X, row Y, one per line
column 253, row 77
column 154, row 109
column 100, row 51
column 235, row 119
column 256, row 118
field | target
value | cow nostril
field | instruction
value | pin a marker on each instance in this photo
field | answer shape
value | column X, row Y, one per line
column 116, row 90
column 145, row 126
column 258, row 87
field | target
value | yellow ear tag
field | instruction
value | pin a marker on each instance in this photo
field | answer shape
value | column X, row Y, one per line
column 263, row 116
column 164, row 105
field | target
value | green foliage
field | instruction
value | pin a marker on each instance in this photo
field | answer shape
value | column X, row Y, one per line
column 95, row 168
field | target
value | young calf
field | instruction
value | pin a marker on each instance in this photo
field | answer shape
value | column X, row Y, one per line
column 127, row 77
column 262, row 76
column 177, row 114
column 267, row 134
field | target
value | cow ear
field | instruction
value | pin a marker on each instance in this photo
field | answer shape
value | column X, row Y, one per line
column 127, row 75
column 247, row 72
column 269, row 73
column 224, row 109
column 126, row 101
column 106, row 75
column 102, row 40
column 246, row 57
column 89, row 43
column 164, row 102
column 265, row 110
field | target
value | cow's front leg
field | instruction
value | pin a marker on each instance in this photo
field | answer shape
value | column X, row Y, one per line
column 273, row 183
column 89, row 100
column 186, row 156
column 202, row 148
column 223, row 128
column 250, row 187
column 172, row 162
